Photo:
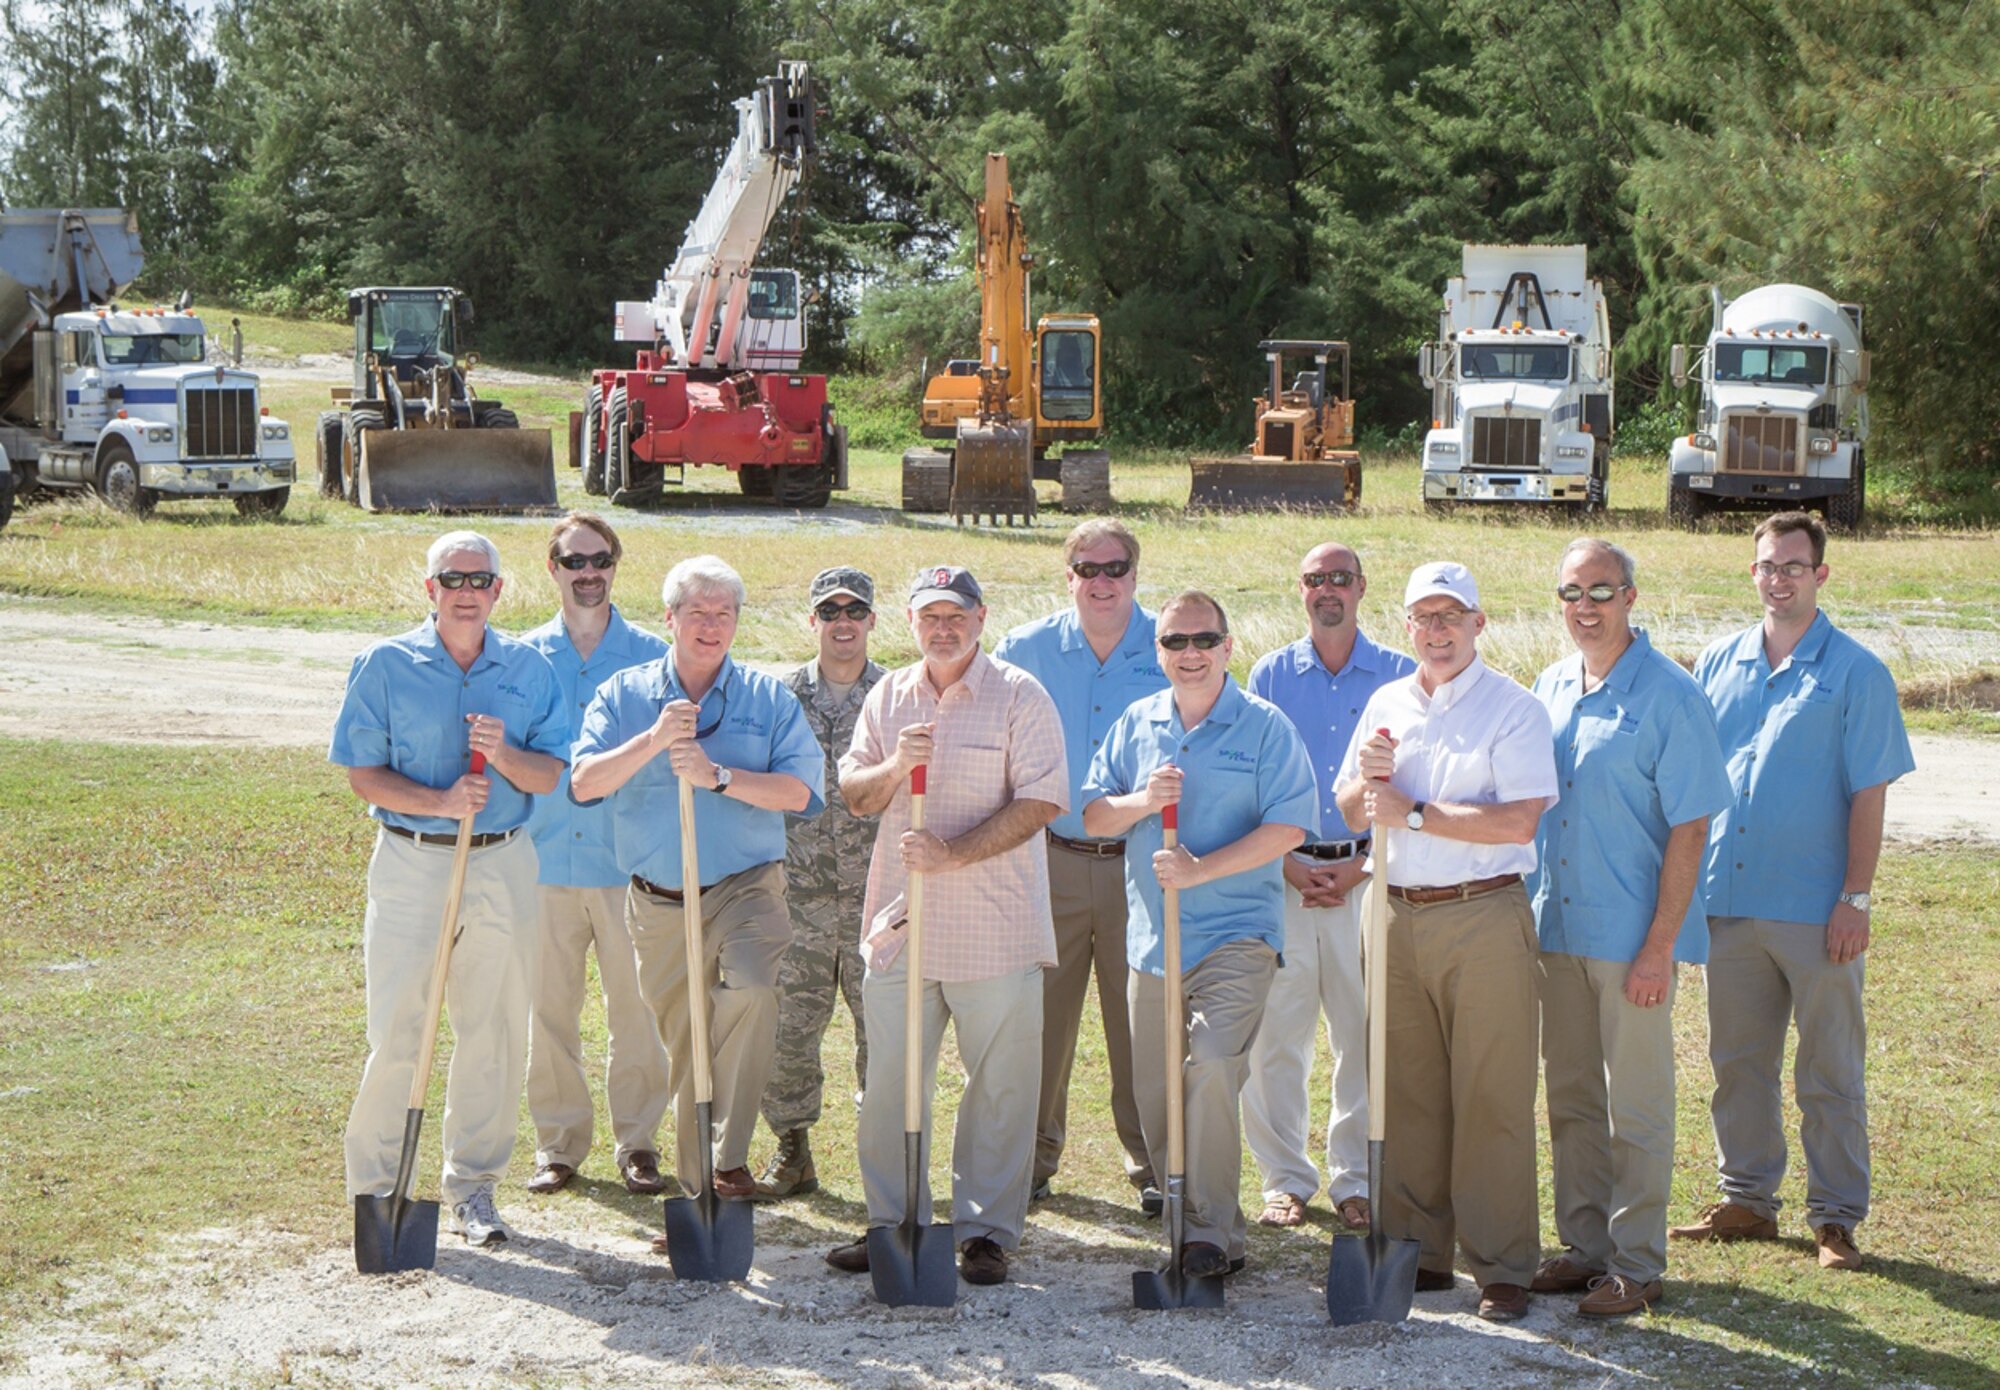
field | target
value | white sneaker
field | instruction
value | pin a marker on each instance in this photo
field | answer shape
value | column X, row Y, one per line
column 476, row 1219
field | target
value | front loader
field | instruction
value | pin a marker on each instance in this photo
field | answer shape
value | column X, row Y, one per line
column 1303, row 457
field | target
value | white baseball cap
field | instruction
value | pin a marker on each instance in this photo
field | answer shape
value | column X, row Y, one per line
column 1441, row 578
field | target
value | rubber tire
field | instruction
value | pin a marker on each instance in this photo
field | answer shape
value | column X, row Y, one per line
column 8, row 482
column 1845, row 512
column 802, row 487
column 263, row 505
column 357, row 421
column 498, row 418
column 1685, row 507
column 617, row 461
column 118, row 482
column 326, row 439
column 1437, row 506
column 757, row 481
column 592, row 446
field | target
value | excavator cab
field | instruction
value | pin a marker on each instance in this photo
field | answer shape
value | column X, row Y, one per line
column 1067, row 392
column 1302, row 457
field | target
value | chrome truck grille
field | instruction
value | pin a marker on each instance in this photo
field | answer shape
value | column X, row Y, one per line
column 1505, row 442
column 221, row 422
column 1760, row 444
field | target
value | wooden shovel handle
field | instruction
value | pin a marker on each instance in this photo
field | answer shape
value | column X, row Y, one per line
column 420, row 1080
column 697, row 964
column 913, row 974
column 1378, row 985
column 1176, row 1006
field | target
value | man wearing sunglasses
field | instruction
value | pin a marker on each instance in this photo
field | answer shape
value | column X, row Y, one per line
column 417, row 707
column 583, row 897
column 1239, row 773
column 1321, row 683
column 1813, row 737
column 743, row 742
column 826, row 874
column 1094, row 658
column 1617, row 904
column 1456, row 788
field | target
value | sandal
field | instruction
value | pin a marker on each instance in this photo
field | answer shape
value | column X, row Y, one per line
column 1353, row 1212
column 1283, row 1210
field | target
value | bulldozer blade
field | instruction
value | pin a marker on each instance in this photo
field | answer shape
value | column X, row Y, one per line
column 468, row 470
column 993, row 473
column 1252, row 484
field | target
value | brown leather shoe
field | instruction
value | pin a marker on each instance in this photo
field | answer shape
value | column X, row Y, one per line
column 851, row 1258
column 1726, row 1221
column 735, row 1185
column 1503, row 1303
column 1435, row 1280
column 1615, row 1296
column 641, row 1168
column 980, row 1261
column 1837, row 1249
column 1563, row 1275
column 550, row 1177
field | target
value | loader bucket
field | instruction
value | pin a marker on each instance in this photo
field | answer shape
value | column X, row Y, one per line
column 994, row 473
column 1246, row 483
column 493, row 470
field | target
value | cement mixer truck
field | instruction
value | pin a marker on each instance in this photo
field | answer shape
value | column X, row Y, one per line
column 123, row 402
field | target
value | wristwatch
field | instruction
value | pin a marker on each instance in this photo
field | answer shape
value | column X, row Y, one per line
column 723, row 777
column 1858, row 901
column 1415, row 819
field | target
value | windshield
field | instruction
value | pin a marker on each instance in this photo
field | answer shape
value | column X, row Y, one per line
column 774, row 294
column 1069, row 366
column 1513, row 362
column 138, row 349
column 1788, row 364
column 410, row 327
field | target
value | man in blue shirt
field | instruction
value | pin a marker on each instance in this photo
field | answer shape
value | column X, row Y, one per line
column 741, row 739
column 417, row 707
column 1813, row 737
column 1617, row 902
column 583, row 897
column 1253, row 800
column 1094, row 658
column 1321, row 682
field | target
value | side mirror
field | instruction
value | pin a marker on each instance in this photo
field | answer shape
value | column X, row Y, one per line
column 1679, row 369
column 1861, row 369
column 353, row 307
column 185, row 302
column 1427, row 363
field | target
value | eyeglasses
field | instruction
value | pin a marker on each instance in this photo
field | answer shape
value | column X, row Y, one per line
column 1447, row 617
column 1599, row 593
column 1181, row 641
column 1111, row 569
column 602, row 560
column 830, row 610
column 1791, row 569
column 459, row 579
column 1340, row 579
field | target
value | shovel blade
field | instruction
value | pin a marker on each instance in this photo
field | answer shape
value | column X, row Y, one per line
column 393, row 1234
column 914, row 1266
column 1371, row 1280
column 709, row 1239
column 1154, row 1290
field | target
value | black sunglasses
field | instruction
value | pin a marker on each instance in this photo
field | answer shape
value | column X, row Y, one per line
column 1090, row 569
column 831, row 609
column 1180, row 641
column 459, row 579
column 602, row 560
column 1340, row 579
column 1599, row 593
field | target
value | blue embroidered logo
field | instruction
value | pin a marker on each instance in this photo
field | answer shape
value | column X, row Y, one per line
column 1236, row 755
column 506, row 689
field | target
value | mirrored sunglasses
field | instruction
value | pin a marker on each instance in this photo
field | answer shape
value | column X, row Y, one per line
column 1090, row 569
column 602, row 560
column 1599, row 593
column 459, row 579
column 1340, row 579
column 1181, row 641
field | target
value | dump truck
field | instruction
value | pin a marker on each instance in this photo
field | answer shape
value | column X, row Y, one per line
column 1026, row 392
column 411, row 433
column 1302, row 457
column 1783, row 417
column 123, row 402
column 1521, row 382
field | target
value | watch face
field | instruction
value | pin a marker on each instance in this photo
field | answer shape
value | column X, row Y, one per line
column 1415, row 820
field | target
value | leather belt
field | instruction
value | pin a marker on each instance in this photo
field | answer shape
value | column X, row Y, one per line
column 672, row 895
column 1478, row 887
column 1096, row 849
column 451, row 840
column 1334, row 849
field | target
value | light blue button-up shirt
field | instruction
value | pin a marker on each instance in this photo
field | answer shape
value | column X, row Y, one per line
column 406, row 706
column 1325, row 706
column 1243, row 766
column 1637, row 756
column 1089, row 694
column 748, row 721
column 1800, row 742
column 573, row 840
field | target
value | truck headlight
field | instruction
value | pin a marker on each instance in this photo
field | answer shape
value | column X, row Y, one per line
column 276, row 431
column 159, row 435
column 1572, row 451
column 1822, row 445
column 1701, row 440
column 1444, row 448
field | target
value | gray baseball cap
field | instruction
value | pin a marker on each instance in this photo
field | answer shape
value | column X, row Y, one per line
column 945, row 581
column 841, row 579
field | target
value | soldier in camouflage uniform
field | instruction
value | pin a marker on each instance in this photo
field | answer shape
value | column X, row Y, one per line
column 826, row 869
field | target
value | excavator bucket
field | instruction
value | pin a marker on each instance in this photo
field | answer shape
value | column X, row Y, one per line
column 466, row 470
column 994, row 473
column 1247, row 483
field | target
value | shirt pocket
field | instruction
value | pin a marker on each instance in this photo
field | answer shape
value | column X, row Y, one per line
column 979, row 776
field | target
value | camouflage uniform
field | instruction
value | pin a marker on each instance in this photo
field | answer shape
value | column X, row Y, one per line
column 826, row 867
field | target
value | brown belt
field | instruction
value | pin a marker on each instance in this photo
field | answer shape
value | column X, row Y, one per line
column 1478, row 887
column 672, row 895
column 1334, row 850
column 477, row 841
column 1096, row 849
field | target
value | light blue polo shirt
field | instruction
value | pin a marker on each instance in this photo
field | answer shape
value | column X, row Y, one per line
column 1637, row 756
column 573, row 840
column 1244, row 766
column 748, row 720
column 1800, row 743
column 1089, row 694
column 1325, row 706
column 405, row 710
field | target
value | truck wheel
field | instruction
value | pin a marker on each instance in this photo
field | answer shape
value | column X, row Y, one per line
column 755, row 480
column 8, row 482
column 1685, row 506
column 804, row 487
column 593, row 443
column 498, row 418
column 358, row 422
column 263, row 504
column 118, row 481
column 1844, row 512
column 617, row 448
column 326, row 439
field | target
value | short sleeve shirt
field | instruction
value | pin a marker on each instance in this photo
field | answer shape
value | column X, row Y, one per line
column 1325, row 706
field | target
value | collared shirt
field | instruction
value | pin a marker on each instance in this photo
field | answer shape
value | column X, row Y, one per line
column 1478, row 740
column 997, row 740
column 406, row 707
column 747, row 721
column 1637, row 756
column 1801, row 743
column 1089, row 694
column 827, row 854
column 572, row 839
column 1325, row 706
column 1243, row 766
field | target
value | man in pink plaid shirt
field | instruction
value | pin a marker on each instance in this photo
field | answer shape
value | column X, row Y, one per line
column 991, row 739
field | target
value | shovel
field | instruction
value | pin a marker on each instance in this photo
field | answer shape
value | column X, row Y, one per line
column 707, row 1238
column 1152, row 1289
column 912, row 1264
column 394, row 1233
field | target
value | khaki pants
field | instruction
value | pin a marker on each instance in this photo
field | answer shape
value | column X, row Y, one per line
column 574, row 921
column 999, row 1027
column 487, row 992
column 1611, row 1115
column 1087, row 896
column 1225, row 1002
column 744, row 932
column 1459, row 1153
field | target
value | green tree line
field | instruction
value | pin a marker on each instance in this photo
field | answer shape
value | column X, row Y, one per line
column 1200, row 173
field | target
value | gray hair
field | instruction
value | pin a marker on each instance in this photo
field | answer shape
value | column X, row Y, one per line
column 451, row 542
column 1627, row 571
column 701, row 574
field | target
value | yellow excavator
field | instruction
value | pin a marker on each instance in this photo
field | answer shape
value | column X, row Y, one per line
column 1303, row 456
column 1026, row 392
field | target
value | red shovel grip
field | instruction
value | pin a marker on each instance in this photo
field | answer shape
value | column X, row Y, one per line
column 1170, row 816
column 917, row 779
column 478, row 763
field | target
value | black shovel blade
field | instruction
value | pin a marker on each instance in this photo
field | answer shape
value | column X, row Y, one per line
column 709, row 1239
column 1371, row 1279
column 914, row 1266
column 393, row 1233
column 1156, row 1289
